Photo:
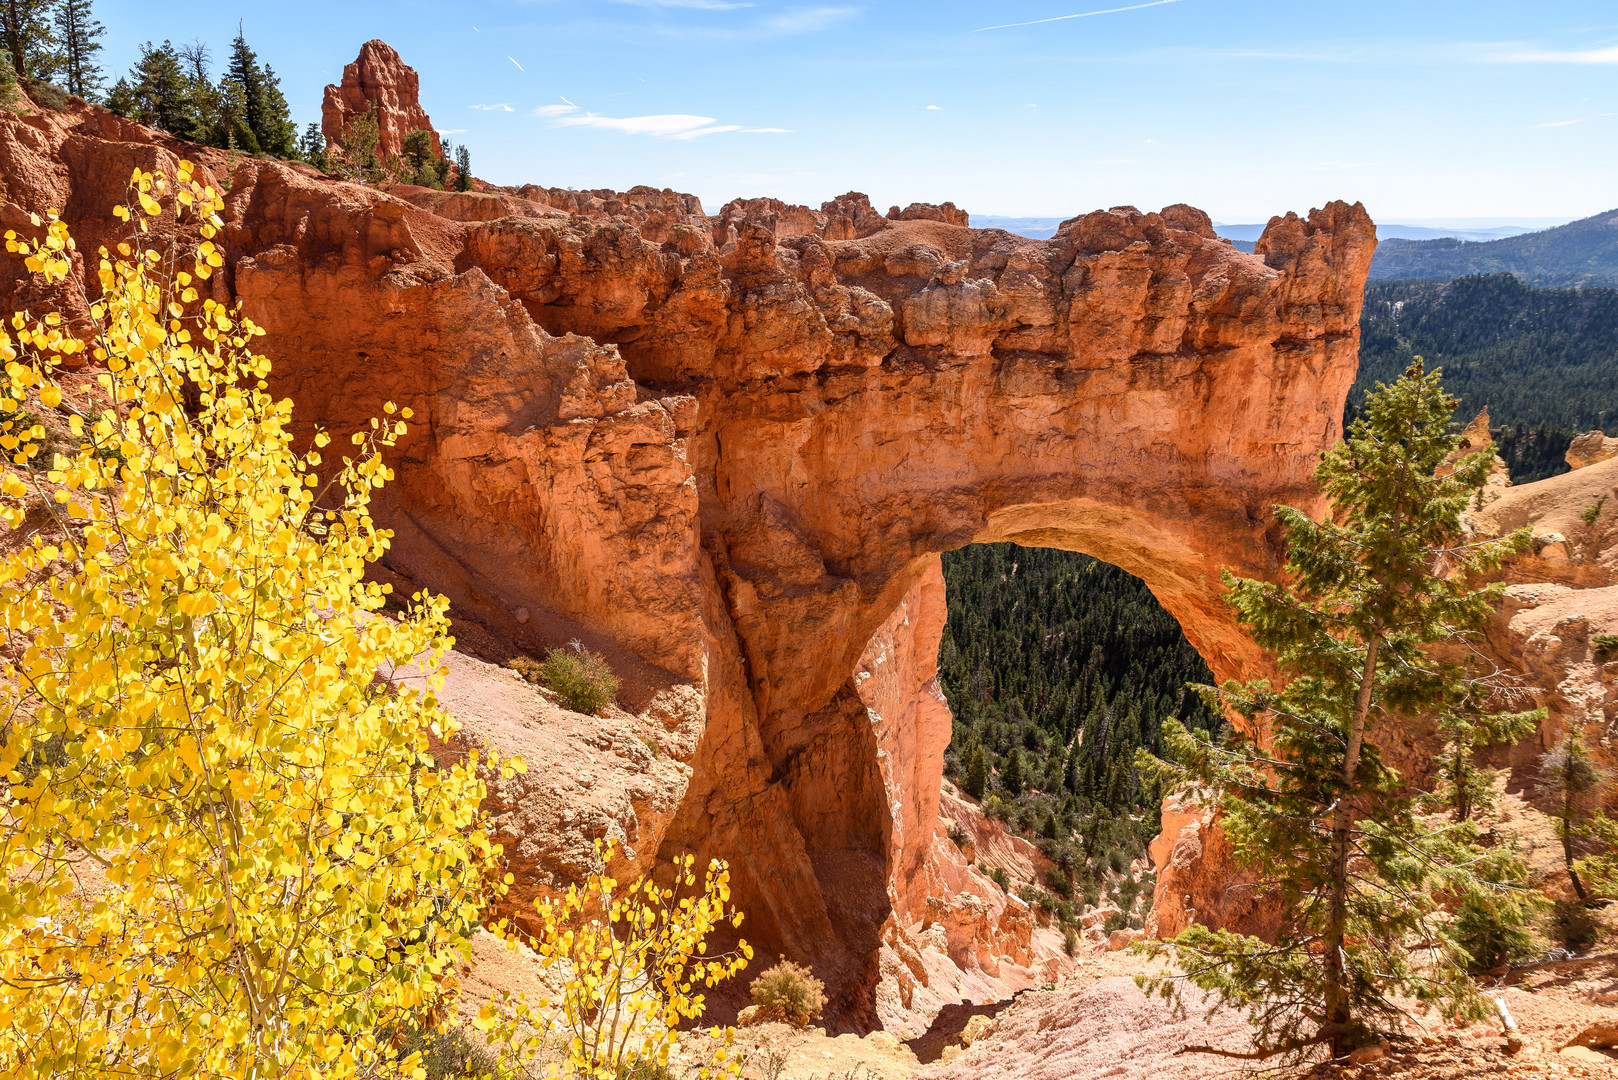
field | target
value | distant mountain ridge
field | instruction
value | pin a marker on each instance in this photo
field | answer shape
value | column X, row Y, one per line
column 1583, row 252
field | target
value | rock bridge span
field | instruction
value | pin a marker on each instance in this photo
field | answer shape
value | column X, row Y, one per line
column 727, row 452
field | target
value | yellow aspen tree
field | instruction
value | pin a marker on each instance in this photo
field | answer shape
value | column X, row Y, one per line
column 628, row 968
column 228, row 849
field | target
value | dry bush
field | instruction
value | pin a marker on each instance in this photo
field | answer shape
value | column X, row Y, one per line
column 789, row 992
column 582, row 679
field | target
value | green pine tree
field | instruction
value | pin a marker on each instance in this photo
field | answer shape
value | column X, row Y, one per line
column 1573, row 783
column 419, row 161
column 312, row 146
column 28, row 33
column 1465, row 788
column 463, row 168
column 977, row 772
column 1332, row 831
column 158, row 92
column 78, row 39
column 244, row 71
column 263, row 108
column 1011, row 778
column 277, row 134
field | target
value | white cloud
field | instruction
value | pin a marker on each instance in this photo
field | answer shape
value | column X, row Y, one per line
column 1608, row 55
column 452, row 131
column 1080, row 15
column 803, row 21
column 1576, row 120
column 935, row 108
column 664, row 124
column 683, row 126
column 697, row 133
column 504, row 106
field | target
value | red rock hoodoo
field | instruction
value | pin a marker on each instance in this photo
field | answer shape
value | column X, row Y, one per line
column 727, row 452
column 377, row 80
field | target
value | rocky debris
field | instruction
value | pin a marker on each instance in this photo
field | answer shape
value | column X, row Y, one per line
column 1589, row 448
column 378, row 80
column 1119, row 940
column 727, row 468
column 589, row 780
column 1109, row 1029
column 1601, row 1035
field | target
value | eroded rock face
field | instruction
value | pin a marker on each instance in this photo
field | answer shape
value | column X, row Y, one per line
column 1589, row 448
column 380, row 81
column 731, row 467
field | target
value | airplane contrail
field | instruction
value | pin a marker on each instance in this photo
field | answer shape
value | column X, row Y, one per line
column 513, row 59
column 1080, row 15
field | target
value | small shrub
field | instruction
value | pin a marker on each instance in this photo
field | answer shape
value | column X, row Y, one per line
column 1589, row 514
column 1090, row 894
column 1059, row 881
column 1574, row 925
column 999, row 876
column 1606, row 645
column 957, row 835
column 530, row 669
column 48, row 95
column 1070, row 940
column 581, row 678
column 1117, row 860
column 1491, row 933
column 1116, row 921
column 789, row 992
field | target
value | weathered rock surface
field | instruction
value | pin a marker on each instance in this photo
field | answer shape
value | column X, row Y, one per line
column 1589, row 448
column 378, row 80
column 731, row 467
column 1574, row 519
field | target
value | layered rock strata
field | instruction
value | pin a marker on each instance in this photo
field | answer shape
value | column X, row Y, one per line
column 728, row 457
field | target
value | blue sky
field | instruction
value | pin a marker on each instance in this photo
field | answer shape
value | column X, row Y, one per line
column 1420, row 108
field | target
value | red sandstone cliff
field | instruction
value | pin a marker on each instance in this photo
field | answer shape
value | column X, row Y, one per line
column 727, row 453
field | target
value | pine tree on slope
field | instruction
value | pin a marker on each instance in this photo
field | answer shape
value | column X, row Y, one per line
column 1330, row 828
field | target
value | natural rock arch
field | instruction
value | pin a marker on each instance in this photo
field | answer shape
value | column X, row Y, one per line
column 749, row 458
column 732, row 467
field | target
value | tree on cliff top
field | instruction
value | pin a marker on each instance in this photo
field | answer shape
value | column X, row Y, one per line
column 202, row 710
column 27, row 35
column 264, row 109
column 1305, row 796
column 78, row 34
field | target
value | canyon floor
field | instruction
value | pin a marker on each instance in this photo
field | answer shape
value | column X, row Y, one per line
column 1097, row 1023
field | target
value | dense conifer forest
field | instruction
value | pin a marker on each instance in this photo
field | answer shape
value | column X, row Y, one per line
column 1057, row 666
column 1545, row 361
